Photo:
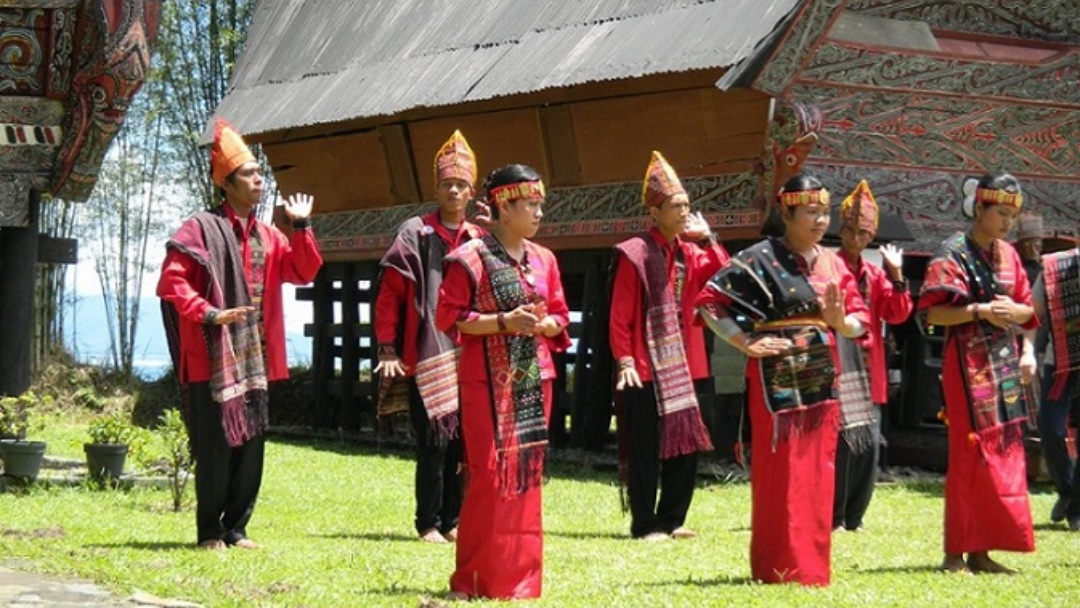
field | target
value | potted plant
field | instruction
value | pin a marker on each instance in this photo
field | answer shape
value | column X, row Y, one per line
column 111, row 438
column 18, row 418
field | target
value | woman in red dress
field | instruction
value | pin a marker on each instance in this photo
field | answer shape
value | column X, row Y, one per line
column 781, row 302
column 504, row 295
column 976, row 287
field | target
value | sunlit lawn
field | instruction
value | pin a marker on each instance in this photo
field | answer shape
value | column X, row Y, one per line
column 336, row 520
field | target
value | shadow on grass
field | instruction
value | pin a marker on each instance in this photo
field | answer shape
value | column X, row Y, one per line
column 147, row 546
column 1052, row 527
column 932, row 568
column 372, row 536
column 719, row 581
column 588, row 535
column 400, row 591
column 932, row 488
column 345, row 446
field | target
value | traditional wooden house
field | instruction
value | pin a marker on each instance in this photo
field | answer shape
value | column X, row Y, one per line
column 351, row 100
column 68, row 71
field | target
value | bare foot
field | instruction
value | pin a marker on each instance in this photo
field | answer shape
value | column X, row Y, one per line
column 214, row 544
column 955, row 563
column 981, row 563
column 247, row 543
column 432, row 535
column 683, row 532
column 451, row 535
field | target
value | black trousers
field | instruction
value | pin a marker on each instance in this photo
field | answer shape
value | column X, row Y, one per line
column 227, row 479
column 722, row 415
column 438, row 482
column 856, row 475
column 674, row 478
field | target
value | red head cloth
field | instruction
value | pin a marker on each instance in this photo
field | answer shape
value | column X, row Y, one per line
column 661, row 182
column 860, row 209
column 229, row 152
column 455, row 160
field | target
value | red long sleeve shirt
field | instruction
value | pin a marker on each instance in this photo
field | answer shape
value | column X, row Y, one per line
column 183, row 283
column 887, row 304
column 627, row 316
column 394, row 309
column 456, row 304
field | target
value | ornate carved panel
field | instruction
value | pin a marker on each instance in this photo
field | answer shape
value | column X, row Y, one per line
column 945, row 133
column 29, row 134
column 31, row 111
column 1041, row 20
column 847, row 65
column 63, row 49
column 929, row 201
column 42, row 3
column 725, row 200
column 24, row 39
column 798, row 44
column 114, row 58
column 26, row 159
column 14, row 200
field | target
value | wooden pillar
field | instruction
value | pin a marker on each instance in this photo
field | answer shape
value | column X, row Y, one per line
column 350, row 343
column 592, row 404
column 18, row 269
column 322, row 360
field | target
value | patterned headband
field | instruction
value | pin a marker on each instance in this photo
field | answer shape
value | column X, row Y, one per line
column 999, row 197
column 509, row 192
column 805, row 197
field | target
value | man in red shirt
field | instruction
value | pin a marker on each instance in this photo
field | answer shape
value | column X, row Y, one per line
column 417, row 362
column 663, row 368
column 220, row 287
column 889, row 301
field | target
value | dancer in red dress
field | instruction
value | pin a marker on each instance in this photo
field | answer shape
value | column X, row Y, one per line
column 976, row 287
column 781, row 302
column 504, row 295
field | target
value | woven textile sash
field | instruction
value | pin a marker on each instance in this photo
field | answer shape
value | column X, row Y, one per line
column 1061, row 276
column 856, row 404
column 989, row 358
column 237, row 365
column 517, row 399
column 764, row 284
column 682, row 430
column 797, row 383
column 991, row 372
column 417, row 254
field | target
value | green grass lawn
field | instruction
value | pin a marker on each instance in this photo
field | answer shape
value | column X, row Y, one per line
column 336, row 522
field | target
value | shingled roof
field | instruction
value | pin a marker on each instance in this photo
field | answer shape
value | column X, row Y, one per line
column 311, row 62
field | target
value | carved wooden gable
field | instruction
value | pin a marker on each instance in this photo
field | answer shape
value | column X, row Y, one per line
column 68, row 71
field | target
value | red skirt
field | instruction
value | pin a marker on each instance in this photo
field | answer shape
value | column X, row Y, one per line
column 500, row 545
column 792, row 489
column 986, row 493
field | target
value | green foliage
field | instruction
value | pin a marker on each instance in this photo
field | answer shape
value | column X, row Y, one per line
column 176, row 454
column 198, row 45
column 21, row 416
column 113, row 428
column 87, row 397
